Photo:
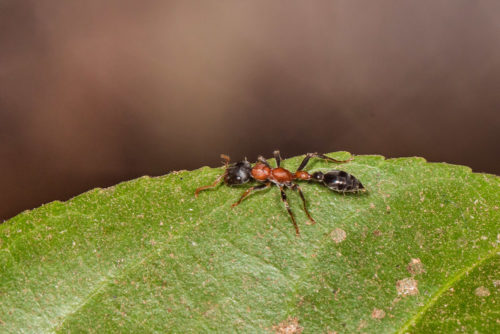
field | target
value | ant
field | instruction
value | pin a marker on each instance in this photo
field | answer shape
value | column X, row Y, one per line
column 242, row 172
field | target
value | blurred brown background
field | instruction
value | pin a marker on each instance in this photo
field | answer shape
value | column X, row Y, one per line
column 96, row 92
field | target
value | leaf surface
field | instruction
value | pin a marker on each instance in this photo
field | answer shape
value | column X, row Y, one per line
column 417, row 253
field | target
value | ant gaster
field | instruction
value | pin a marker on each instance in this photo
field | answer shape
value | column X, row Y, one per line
column 242, row 172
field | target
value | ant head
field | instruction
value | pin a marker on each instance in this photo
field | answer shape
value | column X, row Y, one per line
column 318, row 176
column 238, row 173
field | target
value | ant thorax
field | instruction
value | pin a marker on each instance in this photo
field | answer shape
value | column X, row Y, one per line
column 261, row 172
column 281, row 176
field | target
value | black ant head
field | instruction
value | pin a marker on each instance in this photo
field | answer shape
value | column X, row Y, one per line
column 238, row 173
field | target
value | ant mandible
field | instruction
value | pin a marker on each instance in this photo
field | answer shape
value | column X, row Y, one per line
column 242, row 172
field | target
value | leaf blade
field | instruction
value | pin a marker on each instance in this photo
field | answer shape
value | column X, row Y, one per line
column 100, row 257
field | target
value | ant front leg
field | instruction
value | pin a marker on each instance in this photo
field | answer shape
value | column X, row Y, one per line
column 263, row 160
column 296, row 187
column 322, row 156
column 249, row 190
column 218, row 180
column 213, row 185
column 287, row 206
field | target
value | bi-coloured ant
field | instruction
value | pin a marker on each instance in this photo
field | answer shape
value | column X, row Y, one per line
column 243, row 172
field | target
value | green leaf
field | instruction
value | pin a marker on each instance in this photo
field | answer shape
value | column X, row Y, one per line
column 419, row 252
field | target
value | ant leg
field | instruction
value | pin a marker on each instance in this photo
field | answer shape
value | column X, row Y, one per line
column 263, row 160
column 249, row 190
column 283, row 198
column 216, row 182
column 322, row 156
column 296, row 187
column 213, row 185
column 277, row 157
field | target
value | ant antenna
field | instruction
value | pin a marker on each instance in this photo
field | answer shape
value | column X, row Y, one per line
column 226, row 159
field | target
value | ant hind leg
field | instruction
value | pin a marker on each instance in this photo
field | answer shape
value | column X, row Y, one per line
column 296, row 187
column 322, row 156
column 287, row 206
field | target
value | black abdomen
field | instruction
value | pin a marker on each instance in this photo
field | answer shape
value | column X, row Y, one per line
column 341, row 181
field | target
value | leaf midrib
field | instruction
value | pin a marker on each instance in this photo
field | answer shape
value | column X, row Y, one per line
column 445, row 287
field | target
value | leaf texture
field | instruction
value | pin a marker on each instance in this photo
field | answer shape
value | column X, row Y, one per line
column 417, row 253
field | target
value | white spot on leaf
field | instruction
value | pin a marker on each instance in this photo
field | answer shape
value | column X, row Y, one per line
column 338, row 235
column 289, row 326
column 415, row 267
column 407, row 287
column 482, row 291
column 378, row 314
